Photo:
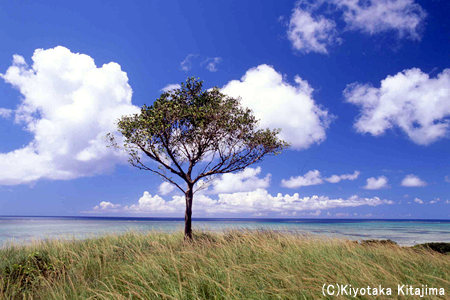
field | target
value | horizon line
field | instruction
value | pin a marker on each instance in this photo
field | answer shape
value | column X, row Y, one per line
column 222, row 218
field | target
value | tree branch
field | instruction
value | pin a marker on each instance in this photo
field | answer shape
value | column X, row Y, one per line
column 144, row 167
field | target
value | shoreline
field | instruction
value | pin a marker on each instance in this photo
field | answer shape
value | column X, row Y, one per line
column 405, row 233
column 302, row 234
column 296, row 234
column 229, row 218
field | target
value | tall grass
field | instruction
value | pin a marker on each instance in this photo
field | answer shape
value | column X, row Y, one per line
column 233, row 265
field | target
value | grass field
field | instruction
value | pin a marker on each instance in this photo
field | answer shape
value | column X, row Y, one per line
column 233, row 265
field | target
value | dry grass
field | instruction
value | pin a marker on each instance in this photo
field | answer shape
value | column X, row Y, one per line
column 233, row 265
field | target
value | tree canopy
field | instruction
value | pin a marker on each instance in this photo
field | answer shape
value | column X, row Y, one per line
column 195, row 133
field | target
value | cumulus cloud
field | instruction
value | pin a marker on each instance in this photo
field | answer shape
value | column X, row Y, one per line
column 166, row 188
column 169, row 87
column 244, row 181
column 410, row 100
column 278, row 104
column 435, row 200
column 310, row 178
column 5, row 112
column 376, row 16
column 412, row 180
column 211, row 63
column 418, row 200
column 155, row 204
column 376, row 183
column 259, row 201
column 68, row 104
column 312, row 26
column 311, row 34
column 338, row 178
column 106, row 205
column 314, row 177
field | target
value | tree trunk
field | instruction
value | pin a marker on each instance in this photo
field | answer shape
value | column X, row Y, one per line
column 188, row 215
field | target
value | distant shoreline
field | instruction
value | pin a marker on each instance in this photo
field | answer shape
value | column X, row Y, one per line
column 228, row 219
column 254, row 231
column 405, row 232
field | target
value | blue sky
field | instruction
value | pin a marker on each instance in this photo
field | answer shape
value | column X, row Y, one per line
column 360, row 90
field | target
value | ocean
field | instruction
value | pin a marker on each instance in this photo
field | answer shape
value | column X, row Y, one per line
column 23, row 230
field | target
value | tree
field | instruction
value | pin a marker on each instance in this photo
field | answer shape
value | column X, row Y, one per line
column 194, row 134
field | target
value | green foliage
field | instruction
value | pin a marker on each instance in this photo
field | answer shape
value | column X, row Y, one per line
column 443, row 248
column 190, row 125
column 195, row 134
column 378, row 242
column 28, row 270
column 230, row 265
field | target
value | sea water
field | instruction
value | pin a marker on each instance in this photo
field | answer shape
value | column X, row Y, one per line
column 22, row 230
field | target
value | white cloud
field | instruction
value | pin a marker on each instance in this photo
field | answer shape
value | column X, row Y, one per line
column 412, row 180
column 410, row 100
column 5, row 112
column 258, row 201
column 310, row 178
column 186, row 63
column 68, row 104
column 107, row 206
column 376, row 183
column 169, row 87
column 376, row 16
column 435, row 200
column 418, row 200
column 311, row 34
column 166, row 188
column 337, row 178
column 278, row 104
column 244, row 181
column 447, row 179
column 314, row 177
column 312, row 27
column 211, row 63
column 155, row 203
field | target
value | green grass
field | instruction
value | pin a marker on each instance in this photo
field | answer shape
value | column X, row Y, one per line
column 233, row 265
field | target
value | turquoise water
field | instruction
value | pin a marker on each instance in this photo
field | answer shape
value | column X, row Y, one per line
column 20, row 230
